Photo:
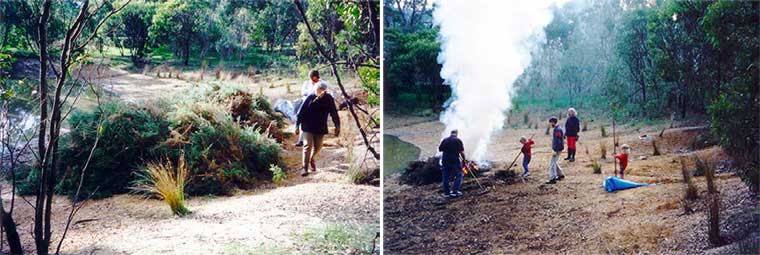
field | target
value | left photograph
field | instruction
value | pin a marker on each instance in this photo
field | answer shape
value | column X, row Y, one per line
column 190, row 127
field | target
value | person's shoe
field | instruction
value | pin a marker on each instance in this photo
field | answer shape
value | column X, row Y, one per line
column 446, row 195
column 304, row 171
column 568, row 158
column 526, row 174
column 456, row 194
column 552, row 181
column 559, row 178
column 299, row 144
column 313, row 166
column 572, row 160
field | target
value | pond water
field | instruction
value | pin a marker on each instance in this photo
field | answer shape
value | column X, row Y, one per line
column 397, row 154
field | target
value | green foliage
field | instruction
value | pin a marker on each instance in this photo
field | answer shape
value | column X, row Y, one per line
column 222, row 154
column 180, row 23
column 604, row 131
column 277, row 174
column 129, row 135
column 131, row 26
column 596, row 167
column 338, row 238
column 412, row 73
column 370, row 78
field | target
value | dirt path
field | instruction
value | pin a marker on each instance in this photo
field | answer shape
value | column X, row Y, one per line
column 574, row 216
column 317, row 214
column 289, row 219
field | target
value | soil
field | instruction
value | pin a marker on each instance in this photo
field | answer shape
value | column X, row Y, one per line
column 269, row 219
column 575, row 215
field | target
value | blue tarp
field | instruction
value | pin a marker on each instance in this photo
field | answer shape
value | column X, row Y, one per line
column 612, row 184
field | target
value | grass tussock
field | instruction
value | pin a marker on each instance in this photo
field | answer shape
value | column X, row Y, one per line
column 167, row 182
column 691, row 191
column 596, row 167
column 604, row 131
column 603, row 150
column 656, row 152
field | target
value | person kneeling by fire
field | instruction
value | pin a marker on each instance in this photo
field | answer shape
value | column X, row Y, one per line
column 452, row 148
column 312, row 120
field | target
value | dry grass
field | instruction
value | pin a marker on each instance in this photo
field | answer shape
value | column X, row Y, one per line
column 162, row 179
column 603, row 150
column 691, row 191
column 654, row 147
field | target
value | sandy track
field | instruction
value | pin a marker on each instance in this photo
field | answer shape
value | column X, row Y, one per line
column 267, row 220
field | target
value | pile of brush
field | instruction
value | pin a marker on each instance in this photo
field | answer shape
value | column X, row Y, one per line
column 422, row 172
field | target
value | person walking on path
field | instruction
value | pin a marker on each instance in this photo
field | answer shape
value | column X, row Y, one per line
column 312, row 120
column 452, row 148
column 308, row 88
column 555, row 171
column 572, row 127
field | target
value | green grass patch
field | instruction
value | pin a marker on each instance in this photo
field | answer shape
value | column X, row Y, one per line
column 338, row 238
column 241, row 248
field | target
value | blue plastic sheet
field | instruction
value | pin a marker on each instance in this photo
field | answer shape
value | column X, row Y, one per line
column 612, row 184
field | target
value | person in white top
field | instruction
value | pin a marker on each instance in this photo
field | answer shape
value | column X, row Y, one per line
column 307, row 89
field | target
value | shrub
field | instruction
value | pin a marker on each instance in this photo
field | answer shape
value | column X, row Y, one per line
column 604, row 131
column 162, row 179
column 596, row 167
column 733, row 121
column 277, row 174
column 603, row 150
column 129, row 134
column 221, row 153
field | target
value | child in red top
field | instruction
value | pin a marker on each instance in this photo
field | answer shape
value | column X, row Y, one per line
column 623, row 159
column 526, row 154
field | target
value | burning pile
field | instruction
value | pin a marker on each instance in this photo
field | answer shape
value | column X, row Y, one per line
column 429, row 171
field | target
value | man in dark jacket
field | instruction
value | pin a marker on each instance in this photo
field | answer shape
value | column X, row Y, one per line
column 555, row 172
column 312, row 120
column 572, row 127
column 452, row 148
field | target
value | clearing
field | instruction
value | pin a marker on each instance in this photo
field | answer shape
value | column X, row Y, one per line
column 575, row 215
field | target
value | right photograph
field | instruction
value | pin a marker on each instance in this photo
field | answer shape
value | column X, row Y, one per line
column 571, row 126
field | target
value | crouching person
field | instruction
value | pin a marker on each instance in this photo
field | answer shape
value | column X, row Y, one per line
column 452, row 148
column 312, row 120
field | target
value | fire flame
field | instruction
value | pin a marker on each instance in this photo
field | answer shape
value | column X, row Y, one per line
column 469, row 165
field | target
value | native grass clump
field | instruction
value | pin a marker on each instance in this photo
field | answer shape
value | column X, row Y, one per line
column 228, row 136
column 165, row 181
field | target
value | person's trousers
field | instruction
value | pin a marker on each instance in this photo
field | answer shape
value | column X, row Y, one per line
column 554, row 169
column 311, row 148
column 448, row 170
column 571, row 146
column 526, row 161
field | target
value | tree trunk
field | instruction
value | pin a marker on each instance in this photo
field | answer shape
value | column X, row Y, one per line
column 9, row 225
column 42, row 28
column 186, row 52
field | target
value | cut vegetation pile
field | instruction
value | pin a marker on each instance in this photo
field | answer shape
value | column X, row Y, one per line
column 227, row 135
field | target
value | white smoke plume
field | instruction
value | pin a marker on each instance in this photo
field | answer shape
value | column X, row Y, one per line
column 485, row 46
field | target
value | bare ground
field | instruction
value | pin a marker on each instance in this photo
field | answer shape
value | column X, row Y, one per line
column 267, row 220
column 576, row 215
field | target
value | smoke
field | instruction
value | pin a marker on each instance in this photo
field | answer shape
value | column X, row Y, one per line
column 485, row 46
